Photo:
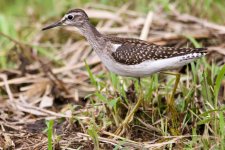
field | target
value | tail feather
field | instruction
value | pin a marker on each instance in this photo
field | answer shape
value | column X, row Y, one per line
column 202, row 49
column 194, row 55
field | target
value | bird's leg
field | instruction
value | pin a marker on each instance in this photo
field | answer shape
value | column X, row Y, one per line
column 171, row 104
column 130, row 114
column 129, row 117
column 139, row 81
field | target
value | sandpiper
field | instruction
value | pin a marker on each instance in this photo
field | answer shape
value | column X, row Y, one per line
column 128, row 56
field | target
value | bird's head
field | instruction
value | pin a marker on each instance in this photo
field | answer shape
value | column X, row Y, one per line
column 75, row 17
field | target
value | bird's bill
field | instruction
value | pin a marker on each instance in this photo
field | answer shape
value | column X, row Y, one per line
column 59, row 23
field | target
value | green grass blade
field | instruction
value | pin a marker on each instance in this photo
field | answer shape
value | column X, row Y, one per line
column 94, row 136
column 222, row 132
column 218, row 83
column 50, row 124
column 92, row 78
column 193, row 41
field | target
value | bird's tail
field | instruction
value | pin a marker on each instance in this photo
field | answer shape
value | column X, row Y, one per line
column 196, row 53
column 201, row 50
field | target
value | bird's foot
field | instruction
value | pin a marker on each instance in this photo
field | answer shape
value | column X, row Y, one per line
column 122, row 128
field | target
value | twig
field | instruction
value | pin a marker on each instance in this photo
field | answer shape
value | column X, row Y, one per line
column 158, row 145
column 8, row 90
column 149, row 126
column 146, row 28
column 38, row 111
column 55, row 79
column 114, row 142
column 55, row 71
column 218, row 49
column 117, row 14
column 205, row 23
column 174, row 36
column 11, row 39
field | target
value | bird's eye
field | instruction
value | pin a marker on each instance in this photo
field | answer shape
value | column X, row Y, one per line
column 70, row 17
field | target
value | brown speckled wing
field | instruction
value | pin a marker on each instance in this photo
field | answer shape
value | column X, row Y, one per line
column 134, row 51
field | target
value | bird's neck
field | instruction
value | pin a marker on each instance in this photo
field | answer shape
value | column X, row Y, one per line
column 94, row 37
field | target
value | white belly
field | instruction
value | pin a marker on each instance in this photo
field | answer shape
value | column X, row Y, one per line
column 145, row 68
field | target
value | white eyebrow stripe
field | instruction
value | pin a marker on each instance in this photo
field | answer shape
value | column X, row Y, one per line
column 74, row 14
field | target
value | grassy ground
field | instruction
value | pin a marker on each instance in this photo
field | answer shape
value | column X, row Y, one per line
column 100, row 100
